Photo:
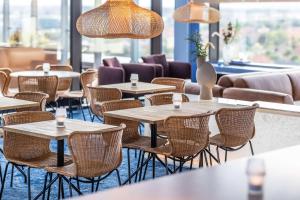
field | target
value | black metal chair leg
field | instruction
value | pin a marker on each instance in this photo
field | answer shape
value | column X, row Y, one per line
column 93, row 118
column 29, row 183
column 81, row 108
column 180, row 166
column 144, row 176
column 93, row 184
column 12, row 175
column 166, row 163
column 251, row 147
column 128, row 164
column 49, row 190
column 119, row 178
column 201, row 160
column 205, row 158
column 98, row 183
column 210, row 160
column 59, row 187
column 3, row 181
column 153, row 166
column 225, row 155
column 141, row 171
column 70, row 187
column 78, row 184
column 62, row 189
column 191, row 164
column 218, row 154
column 45, row 184
column 138, row 165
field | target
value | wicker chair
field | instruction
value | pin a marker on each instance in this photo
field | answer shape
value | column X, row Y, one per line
column 177, row 82
column 163, row 99
column 64, row 84
column 24, row 150
column 3, row 82
column 100, row 159
column 6, row 91
column 131, row 136
column 188, row 137
column 39, row 97
column 86, row 78
column 44, row 84
column 99, row 95
column 236, row 127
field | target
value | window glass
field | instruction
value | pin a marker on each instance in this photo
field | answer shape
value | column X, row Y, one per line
column 268, row 32
column 168, row 33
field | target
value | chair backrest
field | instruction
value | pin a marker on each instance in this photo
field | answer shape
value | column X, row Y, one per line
column 3, row 83
column 87, row 78
column 24, row 147
column 100, row 94
column 236, row 125
column 104, row 152
column 187, row 135
column 39, row 97
column 177, row 82
column 164, row 98
column 131, row 131
column 44, row 84
column 7, row 71
column 64, row 84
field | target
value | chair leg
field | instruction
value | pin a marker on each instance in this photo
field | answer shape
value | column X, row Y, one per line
column 251, row 147
column 93, row 184
column 225, row 155
column 70, row 108
column 81, row 108
column 191, row 164
column 141, row 171
column 98, row 183
column 218, row 154
column 119, row 178
column 78, row 183
column 180, row 166
column 49, row 190
column 205, row 157
column 153, row 167
column 166, row 163
column 59, row 187
column 201, row 160
column 45, row 185
column 144, row 176
column 70, row 187
column 138, row 165
column 29, row 183
column 128, row 164
column 3, row 181
column 12, row 175
column 210, row 160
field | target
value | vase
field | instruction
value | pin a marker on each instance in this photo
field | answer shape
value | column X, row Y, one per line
column 228, row 53
column 206, row 78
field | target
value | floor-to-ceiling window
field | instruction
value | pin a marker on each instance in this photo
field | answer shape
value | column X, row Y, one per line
column 267, row 32
column 126, row 50
column 168, row 33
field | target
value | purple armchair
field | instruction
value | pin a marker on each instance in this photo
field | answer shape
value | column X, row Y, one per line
column 115, row 72
column 173, row 69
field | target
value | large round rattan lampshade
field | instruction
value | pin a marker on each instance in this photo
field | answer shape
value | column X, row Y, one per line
column 120, row 19
column 194, row 12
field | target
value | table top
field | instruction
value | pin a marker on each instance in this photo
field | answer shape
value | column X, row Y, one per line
column 141, row 88
column 48, row 129
column 11, row 103
column 59, row 74
column 155, row 114
column 227, row 181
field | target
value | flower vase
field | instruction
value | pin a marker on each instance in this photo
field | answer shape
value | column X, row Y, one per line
column 228, row 53
column 206, row 78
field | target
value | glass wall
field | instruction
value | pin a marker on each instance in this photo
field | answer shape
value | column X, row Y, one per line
column 168, row 33
column 267, row 32
column 126, row 50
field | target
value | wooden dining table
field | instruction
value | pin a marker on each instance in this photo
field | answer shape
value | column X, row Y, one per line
column 7, row 103
column 59, row 74
column 49, row 130
column 222, row 182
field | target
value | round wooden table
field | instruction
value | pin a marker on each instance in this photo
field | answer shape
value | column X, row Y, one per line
column 59, row 74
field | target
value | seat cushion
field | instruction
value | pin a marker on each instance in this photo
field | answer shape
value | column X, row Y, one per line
column 270, row 82
column 112, row 62
column 158, row 59
column 295, row 81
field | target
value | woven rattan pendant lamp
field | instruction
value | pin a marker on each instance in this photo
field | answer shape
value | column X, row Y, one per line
column 120, row 19
column 194, row 12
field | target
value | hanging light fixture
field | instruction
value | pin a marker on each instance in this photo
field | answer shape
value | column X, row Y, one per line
column 120, row 19
column 194, row 12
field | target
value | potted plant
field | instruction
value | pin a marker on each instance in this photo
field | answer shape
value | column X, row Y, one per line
column 228, row 35
column 205, row 74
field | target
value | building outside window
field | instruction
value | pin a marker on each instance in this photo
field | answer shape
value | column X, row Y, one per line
column 268, row 32
column 168, row 33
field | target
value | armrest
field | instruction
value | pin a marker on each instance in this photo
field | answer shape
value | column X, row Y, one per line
column 180, row 70
column 257, row 95
column 159, row 69
column 218, row 91
column 146, row 72
column 110, row 75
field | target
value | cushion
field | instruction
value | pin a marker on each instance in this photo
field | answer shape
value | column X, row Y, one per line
column 295, row 80
column 158, row 59
column 112, row 62
column 270, row 82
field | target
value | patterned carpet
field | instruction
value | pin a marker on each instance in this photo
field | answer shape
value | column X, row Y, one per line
column 19, row 189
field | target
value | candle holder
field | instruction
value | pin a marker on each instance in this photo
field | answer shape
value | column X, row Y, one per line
column 256, row 173
column 61, row 115
column 46, row 68
column 177, row 101
column 134, row 79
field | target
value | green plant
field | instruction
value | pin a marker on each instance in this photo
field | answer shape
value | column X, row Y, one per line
column 201, row 48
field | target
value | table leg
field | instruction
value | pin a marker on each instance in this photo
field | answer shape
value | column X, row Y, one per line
column 60, row 153
column 153, row 135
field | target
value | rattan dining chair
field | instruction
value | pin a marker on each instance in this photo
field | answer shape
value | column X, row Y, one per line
column 44, row 84
column 163, row 99
column 9, row 92
column 98, row 95
column 24, row 150
column 86, row 78
column 3, row 82
column 64, row 84
column 237, row 128
column 90, row 164
column 188, row 136
column 39, row 97
column 177, row 82
column 131, row 135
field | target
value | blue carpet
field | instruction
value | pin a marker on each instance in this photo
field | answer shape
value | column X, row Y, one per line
column 19, row 189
